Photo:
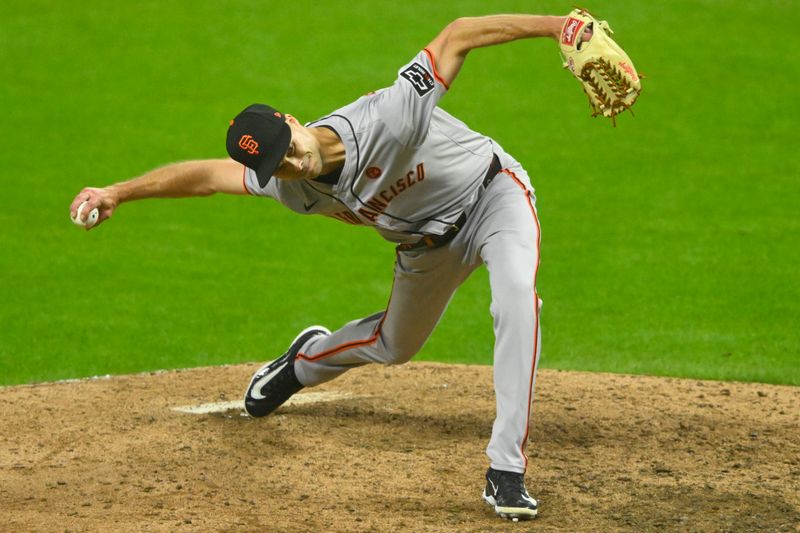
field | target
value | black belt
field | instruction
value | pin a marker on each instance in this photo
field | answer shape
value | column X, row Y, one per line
column 435, row 241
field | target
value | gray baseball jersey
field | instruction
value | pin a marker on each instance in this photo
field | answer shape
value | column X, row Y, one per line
column 410, row 168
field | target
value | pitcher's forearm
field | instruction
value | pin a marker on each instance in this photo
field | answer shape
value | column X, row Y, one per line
column 178, row 180
column 477, row 32
column 451, row 46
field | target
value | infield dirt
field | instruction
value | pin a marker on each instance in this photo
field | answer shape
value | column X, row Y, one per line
column 404, row 453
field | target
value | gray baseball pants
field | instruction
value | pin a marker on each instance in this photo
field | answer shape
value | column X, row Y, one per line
column 502, row 232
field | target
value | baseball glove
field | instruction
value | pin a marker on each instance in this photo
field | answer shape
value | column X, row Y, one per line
column 606, row 72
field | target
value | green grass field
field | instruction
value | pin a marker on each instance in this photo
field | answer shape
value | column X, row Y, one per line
column 670, row 244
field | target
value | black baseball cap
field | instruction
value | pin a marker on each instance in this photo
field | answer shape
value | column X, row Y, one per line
column 258, row 138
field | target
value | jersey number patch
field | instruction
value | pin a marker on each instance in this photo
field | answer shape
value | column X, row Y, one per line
column 419, row 77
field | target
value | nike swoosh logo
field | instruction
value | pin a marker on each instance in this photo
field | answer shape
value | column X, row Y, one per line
column 309, row 206
column 256, row 390
column 494, row 487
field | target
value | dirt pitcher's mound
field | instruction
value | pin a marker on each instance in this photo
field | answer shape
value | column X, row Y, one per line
column 396, row 449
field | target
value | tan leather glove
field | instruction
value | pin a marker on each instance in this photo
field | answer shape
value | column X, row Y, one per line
column 606, row 72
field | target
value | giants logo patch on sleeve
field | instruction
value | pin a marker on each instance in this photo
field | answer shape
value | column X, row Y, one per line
column 419, row 77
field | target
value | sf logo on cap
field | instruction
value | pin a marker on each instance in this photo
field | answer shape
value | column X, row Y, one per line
column 248, row 144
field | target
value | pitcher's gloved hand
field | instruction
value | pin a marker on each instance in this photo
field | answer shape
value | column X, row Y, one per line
column 604, row 69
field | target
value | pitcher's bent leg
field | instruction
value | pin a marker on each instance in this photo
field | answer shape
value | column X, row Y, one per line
column 423, row 285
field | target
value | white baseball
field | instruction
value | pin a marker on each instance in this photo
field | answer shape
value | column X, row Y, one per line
column 91, row 220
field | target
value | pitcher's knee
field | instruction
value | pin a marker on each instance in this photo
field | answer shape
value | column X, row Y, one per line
column 517, row 288
column 514, row 297
column 399, row 352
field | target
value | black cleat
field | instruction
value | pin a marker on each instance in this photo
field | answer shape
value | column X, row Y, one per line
column 506, row 492
column 276, row 382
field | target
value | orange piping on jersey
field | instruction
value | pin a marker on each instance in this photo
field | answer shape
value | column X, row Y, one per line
column 244, row 180
column 535, row 308
column 342, row 347
column 346, row 346
column 436, row 72
column 353, row 344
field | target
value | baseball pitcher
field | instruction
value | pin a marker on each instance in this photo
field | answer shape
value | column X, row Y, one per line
column 451, row 199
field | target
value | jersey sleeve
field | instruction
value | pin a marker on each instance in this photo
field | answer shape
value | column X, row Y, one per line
column 250, row 183
column 407, row 106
